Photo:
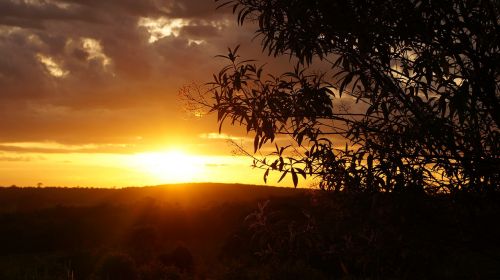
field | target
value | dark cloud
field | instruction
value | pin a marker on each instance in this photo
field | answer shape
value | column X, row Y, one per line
column 86, row 71
column 34, row 13
column 200, row 31
column 195, row 9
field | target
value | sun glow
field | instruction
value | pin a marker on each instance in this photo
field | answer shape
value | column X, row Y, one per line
column 172, row 166
column 52, row 66
column 162, row 27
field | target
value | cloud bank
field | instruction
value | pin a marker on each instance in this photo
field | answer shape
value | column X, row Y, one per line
column 94, row 71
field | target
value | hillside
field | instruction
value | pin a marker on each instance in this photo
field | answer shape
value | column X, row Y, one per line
column 217, row 231
column 196, row 195
column 47, row 233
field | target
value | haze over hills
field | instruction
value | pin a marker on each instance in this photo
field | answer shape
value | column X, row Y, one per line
column 192, row 195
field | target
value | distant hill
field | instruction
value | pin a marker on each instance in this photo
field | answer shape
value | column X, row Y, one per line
column 231, row 231
column 50, row 231
column 191, row 195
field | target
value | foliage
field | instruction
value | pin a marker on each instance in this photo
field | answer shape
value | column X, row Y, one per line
column 371, row 236
column 117, row 266
column 411, row 100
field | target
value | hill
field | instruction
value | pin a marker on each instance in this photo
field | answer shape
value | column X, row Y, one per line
column 194, row 195
column 218, row 231
column 47, row 233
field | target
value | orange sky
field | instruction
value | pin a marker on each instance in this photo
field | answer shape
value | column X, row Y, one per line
column 89, row 93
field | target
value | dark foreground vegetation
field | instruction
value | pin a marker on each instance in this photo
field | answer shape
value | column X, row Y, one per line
column 399, row 96
column 212, row 231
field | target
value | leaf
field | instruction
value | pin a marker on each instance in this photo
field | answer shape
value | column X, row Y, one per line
column 301, row 172
column 385, row 111
column 295, row 179
column 265, row 175
column 255, row 143
column 274, row 165
column 223, row 4
column 346, row 81
column 283, row 149
column 283, row 176
column 235, row 50
column 300, row 137
column 242, row 15
column 282, row 164
column 221, row 123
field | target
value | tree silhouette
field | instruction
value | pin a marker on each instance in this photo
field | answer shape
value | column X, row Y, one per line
column 411, row 100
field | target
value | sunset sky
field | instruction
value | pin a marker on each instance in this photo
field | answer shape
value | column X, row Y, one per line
column 89, row 93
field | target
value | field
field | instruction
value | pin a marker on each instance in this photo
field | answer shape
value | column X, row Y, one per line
column 217, row 231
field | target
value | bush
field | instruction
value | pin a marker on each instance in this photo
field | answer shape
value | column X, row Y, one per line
column 117, row 266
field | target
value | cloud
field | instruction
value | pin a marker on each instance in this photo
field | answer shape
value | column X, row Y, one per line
column 216, row 164
column 52, row 67
column 54, row 147
column 219, row 136
column 15, row 159
column 93, row 71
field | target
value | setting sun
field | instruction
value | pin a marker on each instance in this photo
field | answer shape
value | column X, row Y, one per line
column 172, row 165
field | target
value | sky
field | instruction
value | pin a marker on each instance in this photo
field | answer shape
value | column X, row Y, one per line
column 89, row 93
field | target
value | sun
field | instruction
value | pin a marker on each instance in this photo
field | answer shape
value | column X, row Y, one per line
column 171, row 166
